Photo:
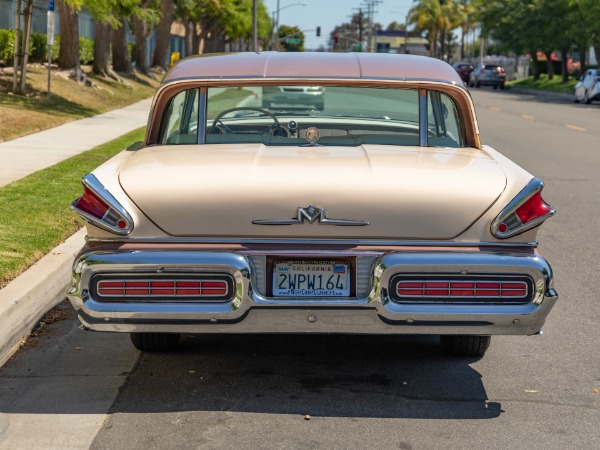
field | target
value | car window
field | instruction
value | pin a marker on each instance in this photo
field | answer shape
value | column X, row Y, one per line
column 287, row 114
column 180, row 121
column 443, row 121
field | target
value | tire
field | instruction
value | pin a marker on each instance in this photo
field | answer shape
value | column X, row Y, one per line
column 585, row 98
column 576, row 99
column 495, row 87
column 478, row 84
column 154, row 342
column 502, row 86
column 463, row 345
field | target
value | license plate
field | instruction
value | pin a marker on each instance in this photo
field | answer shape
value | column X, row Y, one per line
column 311, row 279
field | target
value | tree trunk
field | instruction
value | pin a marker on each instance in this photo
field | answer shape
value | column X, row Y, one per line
column 534, row 63
column 68, row 53
column 141, row 31
column 202, row 40
column 102, row 51
column 120, row 50
column 163, row 33
column 582, row 57
column 597, row 53
column 550, row 65
column 190, row 32
column 563, row 61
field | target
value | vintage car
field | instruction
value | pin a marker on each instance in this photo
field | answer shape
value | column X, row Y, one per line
column 380, row 214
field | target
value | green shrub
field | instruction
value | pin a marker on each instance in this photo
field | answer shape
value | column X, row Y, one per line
column 86, row 50
column 38, row 48
column 7, row 45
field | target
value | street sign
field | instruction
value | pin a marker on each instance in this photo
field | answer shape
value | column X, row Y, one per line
column 293, row 41
column 50, row 28
column 51, row 5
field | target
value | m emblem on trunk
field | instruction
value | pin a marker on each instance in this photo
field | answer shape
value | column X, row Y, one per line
column 311, row 214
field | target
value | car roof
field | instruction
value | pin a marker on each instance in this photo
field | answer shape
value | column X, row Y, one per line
column 296, row 65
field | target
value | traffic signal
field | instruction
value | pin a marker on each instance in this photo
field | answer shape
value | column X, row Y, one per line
column 336, row 38
column 318, row 31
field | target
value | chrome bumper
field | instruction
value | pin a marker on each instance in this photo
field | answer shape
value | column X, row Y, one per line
column 374, row 313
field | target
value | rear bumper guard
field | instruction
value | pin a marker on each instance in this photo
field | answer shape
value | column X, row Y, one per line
column 250, row 312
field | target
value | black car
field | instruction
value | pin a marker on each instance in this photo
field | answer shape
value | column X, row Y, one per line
column 488, row 75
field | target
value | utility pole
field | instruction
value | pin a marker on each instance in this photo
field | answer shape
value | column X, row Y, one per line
column 370, row 5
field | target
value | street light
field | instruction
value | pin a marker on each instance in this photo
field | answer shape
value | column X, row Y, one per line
column 276, row 13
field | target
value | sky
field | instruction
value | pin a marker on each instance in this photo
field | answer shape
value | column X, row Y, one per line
column 329, row 13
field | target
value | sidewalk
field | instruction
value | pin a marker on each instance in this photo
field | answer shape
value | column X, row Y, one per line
column 23, row 156
column 27, row 298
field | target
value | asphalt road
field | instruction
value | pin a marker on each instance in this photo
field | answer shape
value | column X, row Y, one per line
column 357, row 392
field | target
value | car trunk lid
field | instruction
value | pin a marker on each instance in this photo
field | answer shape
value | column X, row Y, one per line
column 218, row 191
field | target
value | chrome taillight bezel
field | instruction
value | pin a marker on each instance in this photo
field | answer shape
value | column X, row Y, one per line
column 526, row 284
column 115, row 211
column 509, row 212
column 178, row 292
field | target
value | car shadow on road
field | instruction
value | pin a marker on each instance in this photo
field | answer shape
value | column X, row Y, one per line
column 337, row 376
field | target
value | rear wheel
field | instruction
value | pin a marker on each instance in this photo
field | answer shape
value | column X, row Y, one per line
column 586, row 98
column 154, row 342
column 463, row 345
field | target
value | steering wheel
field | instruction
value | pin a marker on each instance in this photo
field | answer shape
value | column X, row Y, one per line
column 218, row 127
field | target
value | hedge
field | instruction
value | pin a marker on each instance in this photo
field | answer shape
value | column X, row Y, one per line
column 38, row 48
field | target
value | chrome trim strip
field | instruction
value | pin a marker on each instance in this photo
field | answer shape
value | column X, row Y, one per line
column 308, row 242
column 92, row 183
column 532, row 188
column 313, row 77
column 423, row 118
column 201, row 118
column 311, row 214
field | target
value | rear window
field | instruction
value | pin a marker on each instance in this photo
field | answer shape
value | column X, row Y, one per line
column 327, row 115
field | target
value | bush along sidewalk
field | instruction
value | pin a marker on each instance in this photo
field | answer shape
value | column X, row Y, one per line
column 38, row 48
column 34, row 211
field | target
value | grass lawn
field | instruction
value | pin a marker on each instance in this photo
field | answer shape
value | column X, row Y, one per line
column 543, row 84
column 21, row 115
column 34, row 211
column 229, row 98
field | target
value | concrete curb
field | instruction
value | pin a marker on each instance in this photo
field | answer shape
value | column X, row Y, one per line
column 543, row 94
column 26, row 299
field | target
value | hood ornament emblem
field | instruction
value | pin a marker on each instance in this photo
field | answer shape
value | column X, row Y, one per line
column 311, row 214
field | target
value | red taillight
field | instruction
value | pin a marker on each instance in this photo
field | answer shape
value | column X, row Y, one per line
column 526, row 211
column 533, row 208
column 92, row 204
column 188, row 288
column 465, row 289
column 99, row 207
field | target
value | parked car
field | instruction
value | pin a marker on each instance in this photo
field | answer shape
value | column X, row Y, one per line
column 488, row 75
column 286, row 97
column 383, row 214
column 588, row 87
column 464, row 70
